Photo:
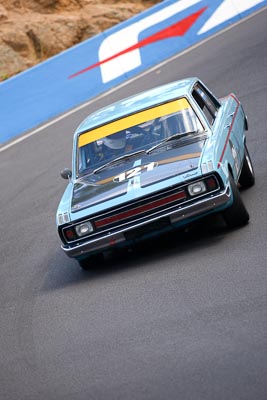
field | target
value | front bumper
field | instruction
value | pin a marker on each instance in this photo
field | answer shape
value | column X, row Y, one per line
column 179, row 216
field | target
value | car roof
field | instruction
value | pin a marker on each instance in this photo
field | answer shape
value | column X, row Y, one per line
column 137, row 102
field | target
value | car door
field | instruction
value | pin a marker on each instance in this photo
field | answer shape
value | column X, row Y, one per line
column 224, row 121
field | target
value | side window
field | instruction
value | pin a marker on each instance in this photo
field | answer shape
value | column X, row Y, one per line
column 205, row 102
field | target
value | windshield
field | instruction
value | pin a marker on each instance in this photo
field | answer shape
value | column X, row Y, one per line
column 141, row 132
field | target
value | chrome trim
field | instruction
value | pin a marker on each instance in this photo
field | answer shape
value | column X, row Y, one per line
column 182, row 213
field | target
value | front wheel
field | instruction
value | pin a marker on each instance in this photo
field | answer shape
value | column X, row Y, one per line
column 247, row 176
column 236, row 215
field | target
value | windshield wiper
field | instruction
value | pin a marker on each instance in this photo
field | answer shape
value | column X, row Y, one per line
column 172, row 137
column 117, row 160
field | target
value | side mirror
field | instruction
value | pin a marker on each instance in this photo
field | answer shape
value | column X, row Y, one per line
column 66, row 173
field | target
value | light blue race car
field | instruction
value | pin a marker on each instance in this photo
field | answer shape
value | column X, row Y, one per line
column 152, row 163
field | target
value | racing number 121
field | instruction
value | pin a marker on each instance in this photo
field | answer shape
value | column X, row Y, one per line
column 134, row 172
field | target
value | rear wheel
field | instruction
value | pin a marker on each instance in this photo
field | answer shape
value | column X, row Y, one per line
column 247, row 176
column 236, row 215
column 87, row 263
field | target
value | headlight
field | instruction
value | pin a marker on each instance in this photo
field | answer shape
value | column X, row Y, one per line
column 197, row 188
column 84, row 229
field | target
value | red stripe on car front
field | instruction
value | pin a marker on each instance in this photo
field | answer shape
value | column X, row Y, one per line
column 139, row 210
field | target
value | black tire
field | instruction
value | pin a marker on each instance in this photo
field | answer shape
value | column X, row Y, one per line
column 247, row 176
column 236, row 215
column 87, row 263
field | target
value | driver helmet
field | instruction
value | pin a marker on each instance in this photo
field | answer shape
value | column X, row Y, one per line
column 117, row 141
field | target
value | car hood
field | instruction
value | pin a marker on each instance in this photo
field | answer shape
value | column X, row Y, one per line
column 135, row 174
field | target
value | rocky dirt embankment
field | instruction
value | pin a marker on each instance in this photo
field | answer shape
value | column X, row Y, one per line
column 33, row 30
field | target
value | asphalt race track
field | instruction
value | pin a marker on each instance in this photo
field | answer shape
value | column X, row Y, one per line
column 183, row 317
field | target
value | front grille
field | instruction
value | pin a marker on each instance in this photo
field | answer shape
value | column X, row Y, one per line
column 143, row 208
column 140, row 214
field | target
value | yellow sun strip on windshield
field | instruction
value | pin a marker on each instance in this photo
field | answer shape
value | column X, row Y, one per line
column 132, row 120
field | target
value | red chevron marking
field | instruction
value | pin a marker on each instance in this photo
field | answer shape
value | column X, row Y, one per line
column 178, row 29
